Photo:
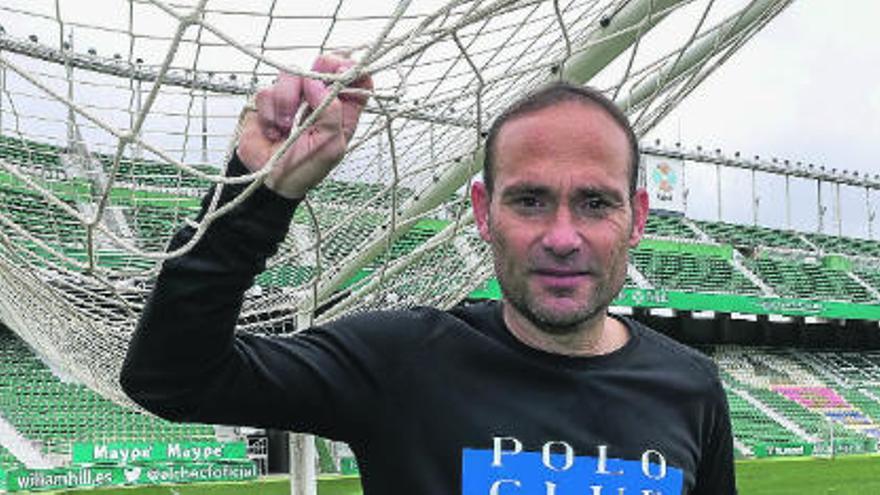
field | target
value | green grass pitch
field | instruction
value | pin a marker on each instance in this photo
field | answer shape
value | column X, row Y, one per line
column 850, row 475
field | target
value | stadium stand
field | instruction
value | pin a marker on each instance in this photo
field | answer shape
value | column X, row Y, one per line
column 156, row 174
column 44, row 220
column 753, row 236
column 808, row 279
column 356, row 194
column 158, row 219
column 669, row 226
column 851, row 369
column 752, row 426
column 285, row 275
column 784, row 390
column 32, row 153
column 777, row 396
column 845, row 245
column 54, row 414
column 8, row 461
column 866, row 399
column 871, row 276
column 690, row 270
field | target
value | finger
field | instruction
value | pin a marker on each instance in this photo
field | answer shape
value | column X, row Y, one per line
column 353, row 104
column 364, row 82
column 315, row 92
column 266, row 114
column 332, row 63
column 286, row 100
column 338, row 63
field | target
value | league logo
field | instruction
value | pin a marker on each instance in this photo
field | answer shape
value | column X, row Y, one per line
column 665, row 178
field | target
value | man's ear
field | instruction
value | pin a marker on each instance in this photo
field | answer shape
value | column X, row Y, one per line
column 640, row 216
column 480, row 200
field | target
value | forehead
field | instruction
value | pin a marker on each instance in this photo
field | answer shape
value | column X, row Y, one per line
column 569, row 139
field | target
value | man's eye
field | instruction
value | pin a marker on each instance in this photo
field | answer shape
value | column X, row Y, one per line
column 594, row 205
column 529, row 202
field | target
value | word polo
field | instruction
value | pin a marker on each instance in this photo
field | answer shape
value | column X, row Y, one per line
column 508, row 469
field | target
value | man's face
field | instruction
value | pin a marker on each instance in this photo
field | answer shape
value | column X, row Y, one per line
column 560, row 218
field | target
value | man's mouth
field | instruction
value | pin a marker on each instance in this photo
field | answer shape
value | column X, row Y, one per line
column 562, row 278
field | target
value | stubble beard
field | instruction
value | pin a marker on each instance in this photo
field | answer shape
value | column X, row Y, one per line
column 515, row 290
column 548, row 320
column 517, row 293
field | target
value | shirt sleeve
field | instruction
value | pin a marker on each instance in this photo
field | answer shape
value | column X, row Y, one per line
column 715, row 473
column 186, row 363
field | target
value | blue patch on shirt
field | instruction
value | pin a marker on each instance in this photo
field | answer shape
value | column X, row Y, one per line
column 528, row 473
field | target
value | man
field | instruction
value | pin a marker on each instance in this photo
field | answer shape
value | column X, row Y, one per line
column 543, row 392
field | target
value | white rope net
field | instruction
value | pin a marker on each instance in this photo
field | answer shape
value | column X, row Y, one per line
column 117, row 115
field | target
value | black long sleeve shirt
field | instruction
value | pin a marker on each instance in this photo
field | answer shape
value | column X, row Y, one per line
column 431, row 401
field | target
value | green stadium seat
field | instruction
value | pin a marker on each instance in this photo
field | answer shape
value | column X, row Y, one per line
column 800, row 279
column 752, row 236
column 668, row 226
column 56, row 414
column 688, row 271
column 845, row 245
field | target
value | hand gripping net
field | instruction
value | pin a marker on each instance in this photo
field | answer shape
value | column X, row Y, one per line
column 115, row 121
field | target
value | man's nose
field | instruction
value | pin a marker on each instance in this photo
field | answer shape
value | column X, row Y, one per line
column 562, row 237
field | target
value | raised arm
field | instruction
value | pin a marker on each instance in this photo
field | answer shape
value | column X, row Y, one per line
column 185, row 361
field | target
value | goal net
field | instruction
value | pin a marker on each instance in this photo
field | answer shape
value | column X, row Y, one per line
column 116, row 116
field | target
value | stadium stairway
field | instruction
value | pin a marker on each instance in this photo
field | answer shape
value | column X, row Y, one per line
column 20, row 449
column 751, row 426
column 635, row 278
column 737, row 262
column 778, row 418
column 866, row 399
column 690, row 267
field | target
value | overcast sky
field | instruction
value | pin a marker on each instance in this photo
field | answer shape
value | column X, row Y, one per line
column 806, row 88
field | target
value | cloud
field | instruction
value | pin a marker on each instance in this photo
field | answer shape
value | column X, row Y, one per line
column 805, row 88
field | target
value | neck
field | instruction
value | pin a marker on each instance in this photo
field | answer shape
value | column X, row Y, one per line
column 601, row 334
